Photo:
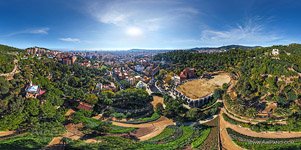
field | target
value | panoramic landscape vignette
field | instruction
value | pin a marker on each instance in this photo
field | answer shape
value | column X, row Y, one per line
column 150, row 75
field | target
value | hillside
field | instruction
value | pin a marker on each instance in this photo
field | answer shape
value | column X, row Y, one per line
column 262, row 77
column 7, row 57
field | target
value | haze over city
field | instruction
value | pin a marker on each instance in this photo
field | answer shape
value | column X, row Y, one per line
column 163, row 24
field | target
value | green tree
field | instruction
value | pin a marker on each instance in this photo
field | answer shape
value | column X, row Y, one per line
column 251, row 112
column 32, row 107
column 91, row 99
column 4, row 86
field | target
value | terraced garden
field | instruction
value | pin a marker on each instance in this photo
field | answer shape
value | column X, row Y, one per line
column 211, row 142
column 173, row 137
column 264, row 143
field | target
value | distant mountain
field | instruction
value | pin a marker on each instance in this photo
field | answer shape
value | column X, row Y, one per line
column 225, row 47
column 237, row 46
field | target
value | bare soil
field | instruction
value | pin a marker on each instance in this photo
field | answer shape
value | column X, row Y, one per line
column 196, row 89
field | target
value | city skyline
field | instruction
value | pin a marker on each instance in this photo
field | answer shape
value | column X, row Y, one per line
column 150, row 24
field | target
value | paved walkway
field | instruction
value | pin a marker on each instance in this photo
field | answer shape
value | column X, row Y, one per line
column 208, row 120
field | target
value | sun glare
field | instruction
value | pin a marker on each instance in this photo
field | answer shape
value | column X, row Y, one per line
column 134, row 31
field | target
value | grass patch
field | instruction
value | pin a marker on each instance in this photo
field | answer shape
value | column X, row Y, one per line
column 155, row 116
column 169, row 134
column 177, row 143
column 26, row 142
column 200, row 140
column 117, row 129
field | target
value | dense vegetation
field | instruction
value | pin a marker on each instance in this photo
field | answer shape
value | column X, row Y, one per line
column 125, row 103
column 261, row 76
column 7, row 57
column 43, row 117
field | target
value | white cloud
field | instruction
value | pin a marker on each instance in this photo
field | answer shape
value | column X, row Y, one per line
column 148, row 15
column 75, row 40
column 39, row 31
column 29, row 31
column 251, row 32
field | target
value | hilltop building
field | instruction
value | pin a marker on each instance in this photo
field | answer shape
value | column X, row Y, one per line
column 188, row 73
column 33, row 91
column 38, row 51
column 275, row 52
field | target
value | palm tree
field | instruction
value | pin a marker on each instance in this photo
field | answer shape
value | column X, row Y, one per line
column 251, row 112
column 294, row 108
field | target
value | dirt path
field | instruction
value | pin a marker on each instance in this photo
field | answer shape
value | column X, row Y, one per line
column 226, row 140
column 157, row 100
column 54, row 141
column 69, row 112
column 249, row 132
column 72, row 133
column 158, row 125
column 10, row 75
column 6, row 133
column 148, row 130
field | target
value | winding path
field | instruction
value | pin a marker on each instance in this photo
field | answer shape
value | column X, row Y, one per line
column 226, row 140
column 10, row 75
column 249, row 132
column 159, row 126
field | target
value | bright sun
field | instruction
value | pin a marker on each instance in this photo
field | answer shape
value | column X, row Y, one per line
column 134, row 31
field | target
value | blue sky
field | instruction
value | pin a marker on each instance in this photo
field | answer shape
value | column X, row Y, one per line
column 125, row 24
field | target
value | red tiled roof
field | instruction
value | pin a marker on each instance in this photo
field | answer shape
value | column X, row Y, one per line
column 84, row 106
column 42, row 92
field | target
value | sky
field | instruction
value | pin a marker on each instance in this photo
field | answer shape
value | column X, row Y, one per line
column 150, row 24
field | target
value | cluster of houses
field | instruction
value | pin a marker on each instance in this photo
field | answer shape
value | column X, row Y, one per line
column 129, row 75
column 106, row 87
column 39, row 51
column 149, row 70
column 65, row 58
